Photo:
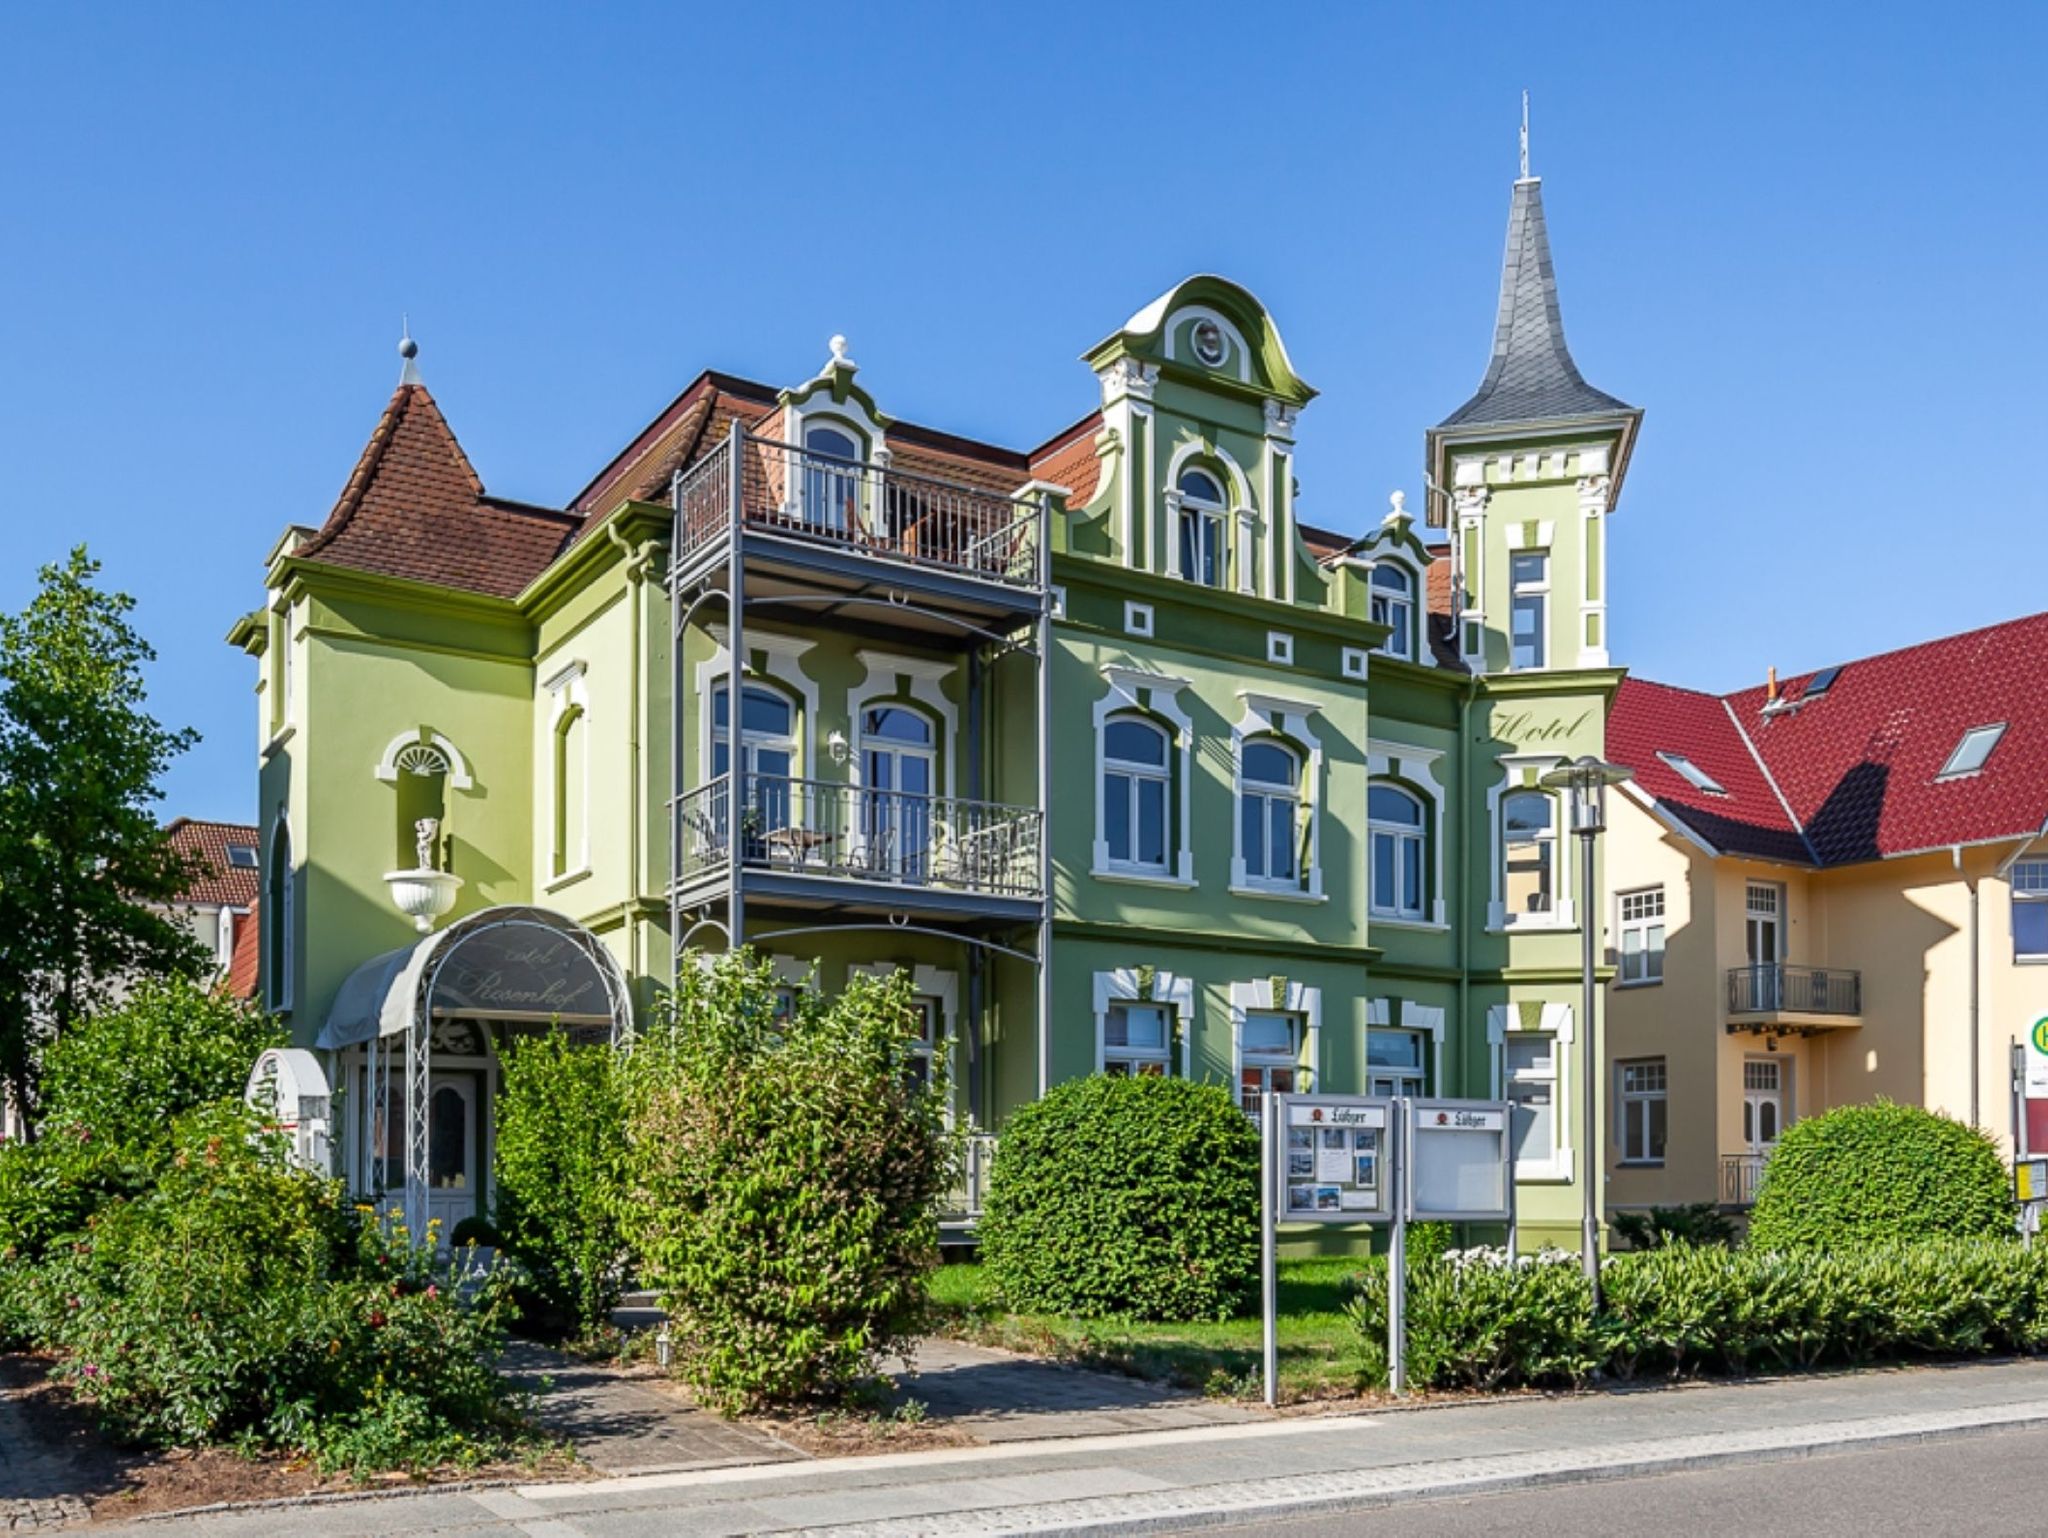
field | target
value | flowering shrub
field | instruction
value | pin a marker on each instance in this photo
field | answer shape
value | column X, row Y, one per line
column 784, row 1171
column 241, row 1300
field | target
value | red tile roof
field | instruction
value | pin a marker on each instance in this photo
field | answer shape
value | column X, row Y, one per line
column 1068, row 459
column 240, row 982
column 1859, row 764
column 225, row 883
column 1749, row 819
column 414, row 507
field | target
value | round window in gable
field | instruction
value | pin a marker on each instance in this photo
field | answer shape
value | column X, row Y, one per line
column 1209, row 342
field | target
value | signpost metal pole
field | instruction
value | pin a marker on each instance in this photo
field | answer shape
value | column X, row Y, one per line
column 1398, row 1145
column 1270, row 1137
column 2020, row 1150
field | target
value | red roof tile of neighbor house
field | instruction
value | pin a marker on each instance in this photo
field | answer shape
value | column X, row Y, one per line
column 1860, row 761
column 415, row 508
column 240, row 983
column 1746, row 816
column 1068, row 459
column 1324, row 544
column 223, row 881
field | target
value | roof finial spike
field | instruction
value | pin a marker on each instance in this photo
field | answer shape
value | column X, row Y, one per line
column 408, row 349
column 1525, row 136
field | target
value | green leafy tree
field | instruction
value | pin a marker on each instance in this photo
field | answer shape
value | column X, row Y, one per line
column 82, row 856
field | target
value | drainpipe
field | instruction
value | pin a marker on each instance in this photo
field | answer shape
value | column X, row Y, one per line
column 1956, row 854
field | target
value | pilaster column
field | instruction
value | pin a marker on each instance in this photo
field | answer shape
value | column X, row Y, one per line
column 1594, row 492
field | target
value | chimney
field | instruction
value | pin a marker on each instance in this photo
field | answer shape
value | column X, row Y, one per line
column 1771, row 686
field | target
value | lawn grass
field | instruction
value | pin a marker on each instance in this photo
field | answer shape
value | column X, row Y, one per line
column 1319, row 1350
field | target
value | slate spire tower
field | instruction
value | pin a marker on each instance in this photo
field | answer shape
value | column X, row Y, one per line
column 1526, row 472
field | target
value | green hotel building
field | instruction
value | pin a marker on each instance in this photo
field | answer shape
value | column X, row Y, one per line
column 1132, row 770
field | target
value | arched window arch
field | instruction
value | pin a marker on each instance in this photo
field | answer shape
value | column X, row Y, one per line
column 1201, row 534
column 1393, row 605
column 572, row 790
column 832, row 476
column 279, row 918
column 1398, row 821
column 1137, row 792
column 1269, row 812
column 768, row 725
column 1528, row 820
column 898, row 776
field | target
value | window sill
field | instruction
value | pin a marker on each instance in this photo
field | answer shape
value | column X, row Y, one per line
column 1278, row 894
column 567, row 879
column 2030, row 961
column 1406, row 921
column 1143, row 878
column 1526, row 926
column 1541, row 1175
column 1642, row 982
column 1639, row 1164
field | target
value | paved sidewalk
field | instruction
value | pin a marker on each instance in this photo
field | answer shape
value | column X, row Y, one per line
column 999, row 1396
column 1178, row 1479
column 35, row 1479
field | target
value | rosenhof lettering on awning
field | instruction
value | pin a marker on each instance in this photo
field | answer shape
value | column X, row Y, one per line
column 518, row 971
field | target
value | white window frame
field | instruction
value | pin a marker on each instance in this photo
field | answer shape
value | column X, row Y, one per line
column 1520, row 771
column 1415, row 769
column 1691, row 773
column 1406, row 1014
column 1503, row 1023
column 569, row 703
column 1400, row 1081
column 1399, row 607
column 1272, row 797
column 1157, row 695
column 1210, row 520
column 1634, row 1092
column 1124, row 985
column 1962, row 764
column 1553, row 840
column 1537, row 593
column 2028, row 883
column 1273, row 715
column 1637, row 912
column 1135, row 1061
column 1400, row 834
column 1300, row 1000
column 1137, row 774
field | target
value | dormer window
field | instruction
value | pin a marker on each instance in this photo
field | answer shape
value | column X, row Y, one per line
column 1393, row 605
column 831, row 479
column 242, row 856
column 1691, row 773
column 1201, row 528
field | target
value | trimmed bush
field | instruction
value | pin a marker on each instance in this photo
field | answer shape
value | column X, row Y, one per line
column 1475, row 1320
column 561, row 1148
column 1125, row 1198
column 783, row 1179
column 1694, row 1223
column 1874, row 1174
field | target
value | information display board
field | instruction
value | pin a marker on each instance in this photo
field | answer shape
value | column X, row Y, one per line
column 1460, row 1165
column 1335, row 1163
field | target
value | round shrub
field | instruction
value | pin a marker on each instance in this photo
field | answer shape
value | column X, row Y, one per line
column 1874, row 1174
column 1134, row 1198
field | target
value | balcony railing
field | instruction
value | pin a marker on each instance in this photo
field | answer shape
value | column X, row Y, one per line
column 1741, row 1174
column 891, row 515
column 1781, row 989
column 812, row 828
column 964, row 1203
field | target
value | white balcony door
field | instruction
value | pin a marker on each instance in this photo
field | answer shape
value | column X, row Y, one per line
column 1764, row 943
column 897, row 763
column 831, row 480
column 1763, row 1105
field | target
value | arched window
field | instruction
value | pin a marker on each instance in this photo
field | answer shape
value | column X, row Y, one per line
column 1393, row 605
column 1201, row 528
column 1398, row 823
column 279, row 903
column 1529, row 853
column 1136, row 789
column 572, row 796
column 1269, row 813
column 767, row 749
column 897, row 768
column 831, row 479
column 421, row 786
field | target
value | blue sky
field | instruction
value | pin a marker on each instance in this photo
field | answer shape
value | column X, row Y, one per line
column 1806, row 239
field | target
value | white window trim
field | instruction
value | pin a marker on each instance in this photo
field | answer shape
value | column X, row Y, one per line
column 1138, row 619
column 1411, row 1017
column 567, row 692
column 1417, row 766
column 1163, row 692
column 1280, row 648
column 1299, row 999
column 1276, row 715
column 1556, row 1021
column 1622, row 927
column 1354, row 662
column 1237, row 497
column 784, row 667
column 941, row 983
column 889, row 678
column 1563, row 910
column 1622, row 1100
column 1541, row 590
column 2024, row 958
column 1414, row 601
column 458, row 767
column 1169, row 988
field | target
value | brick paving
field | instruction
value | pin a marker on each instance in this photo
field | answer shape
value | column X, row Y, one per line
column 34, row 1478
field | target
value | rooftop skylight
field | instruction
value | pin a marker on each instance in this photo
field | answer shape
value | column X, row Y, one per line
column 243, row 855
column 1972, row 751
column 1693, row 773
column 1820, row 683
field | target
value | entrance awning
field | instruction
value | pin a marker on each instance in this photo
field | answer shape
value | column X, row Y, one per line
column 509, row 963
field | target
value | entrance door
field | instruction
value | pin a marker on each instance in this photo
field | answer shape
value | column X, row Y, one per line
column 1764, row 942
column 896, row 764
column 455, row 1175
column 1763, row 1105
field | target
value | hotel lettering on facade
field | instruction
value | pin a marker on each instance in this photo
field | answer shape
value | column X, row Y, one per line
column 1129, row 767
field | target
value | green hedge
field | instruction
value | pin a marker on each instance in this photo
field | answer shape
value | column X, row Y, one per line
column 1134, row 1198
column 1865, row 1174
column 1476, row 1321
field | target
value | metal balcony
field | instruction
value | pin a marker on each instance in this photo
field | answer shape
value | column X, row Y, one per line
column 848, row 517
column 1778, row 995
column 899, row 850
column 1741, row 1174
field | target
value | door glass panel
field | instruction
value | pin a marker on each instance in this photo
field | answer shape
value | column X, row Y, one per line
column 448, row 1139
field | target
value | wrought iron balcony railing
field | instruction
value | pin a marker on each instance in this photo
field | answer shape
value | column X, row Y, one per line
column 1777, row 988
column 888, row 514
column 810, row 827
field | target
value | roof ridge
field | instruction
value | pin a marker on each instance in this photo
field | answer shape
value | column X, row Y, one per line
column 1899, row 651
column 1771, row 780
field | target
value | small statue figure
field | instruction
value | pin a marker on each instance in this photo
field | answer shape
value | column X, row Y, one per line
column 426, row 833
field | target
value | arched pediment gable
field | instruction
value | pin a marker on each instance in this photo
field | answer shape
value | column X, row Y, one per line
column 1210, row 326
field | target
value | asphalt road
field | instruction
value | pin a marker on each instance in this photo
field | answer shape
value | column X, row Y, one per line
column 1985, row 1486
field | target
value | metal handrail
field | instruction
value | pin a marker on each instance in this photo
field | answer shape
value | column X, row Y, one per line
column 893, row 515
column 815, row 827
column 978, row 1157
column 1741, row 1175
column 1780, row 987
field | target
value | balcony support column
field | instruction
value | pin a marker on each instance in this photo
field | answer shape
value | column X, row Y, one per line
column 1045, row 660
column 735, row 665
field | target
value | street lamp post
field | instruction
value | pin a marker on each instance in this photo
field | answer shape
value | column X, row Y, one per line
column 1587, row 779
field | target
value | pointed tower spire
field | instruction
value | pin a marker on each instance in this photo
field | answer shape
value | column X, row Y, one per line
column 1531, row 376
column 408, row 349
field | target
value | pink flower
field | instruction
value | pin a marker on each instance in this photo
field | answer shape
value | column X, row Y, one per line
column 433, row 1291
column 91, row 1371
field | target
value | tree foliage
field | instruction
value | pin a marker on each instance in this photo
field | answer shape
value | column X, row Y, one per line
column 784, row 1173
column 81, row 853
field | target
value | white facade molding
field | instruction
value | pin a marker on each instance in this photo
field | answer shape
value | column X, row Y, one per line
column 456, row 766
column 1129, row 378
column 1521, row 537
column 1403, row 761
column 1555, row 1020
column 923, row 679
column 1237, row 498
column 785, row 667
column 567, row 696
column 1124, row 985
column 1277, row 715
column 1188, row 314
column 1595, row 492
column 1280, row 420
column 1563, row 911
column 1153, row 694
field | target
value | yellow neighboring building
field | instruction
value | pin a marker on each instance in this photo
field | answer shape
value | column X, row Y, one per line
column 1822, row 894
